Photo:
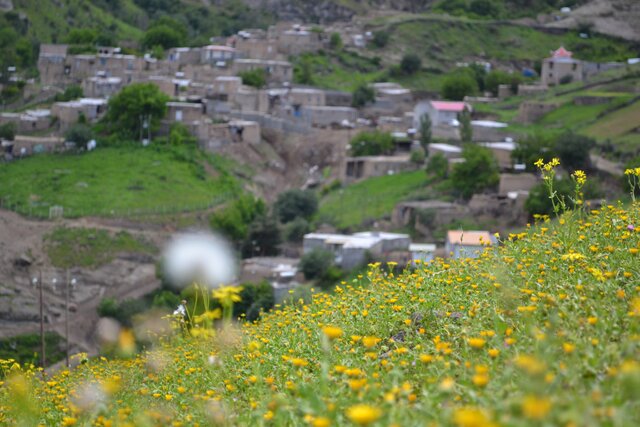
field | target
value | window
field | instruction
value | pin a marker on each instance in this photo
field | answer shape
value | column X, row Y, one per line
column 178, row 115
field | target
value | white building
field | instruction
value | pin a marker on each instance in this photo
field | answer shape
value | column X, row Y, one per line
column 440, row 112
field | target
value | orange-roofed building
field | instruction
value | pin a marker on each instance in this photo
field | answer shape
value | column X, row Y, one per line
column 467, row 244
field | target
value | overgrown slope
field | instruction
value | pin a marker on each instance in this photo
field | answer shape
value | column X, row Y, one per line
column 542, row 330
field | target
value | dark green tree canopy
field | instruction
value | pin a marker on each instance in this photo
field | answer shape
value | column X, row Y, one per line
column 132, row 105
column 479, row 171
column 294, row 204
column 371, row 144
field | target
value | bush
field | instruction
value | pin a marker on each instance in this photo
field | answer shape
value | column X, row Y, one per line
column 438, row 166
column 255, row 298
column 371, row 144
column 161, row 35
column 8, row 131
column 380, row 38
column 316, row 264
column 484, row 8
column 256, row 78
column 296, row 229
column 79, row 133
column 410, row 64
column 573, row 150
column 418, row 156
column 263, row 237
column 362, row 96
column 496, row 78
column 531, row 148
column 457, row 86
column 478, row 171
column 233, row 221
column 564, row 80
column 70, row 93
column 335, row 42
column 131, row 104
column 179, row 134
column 294, row 204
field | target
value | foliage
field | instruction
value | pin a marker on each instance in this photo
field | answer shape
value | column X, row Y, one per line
column 479, row 171
column 179, row 134
column 8, row 131
column 496, row 78
column 484, row 8
column 438, row 166
column 293, row 204
column 82, row 36
column 296, row 229
column 363, row 95
column 25, row 349
column 70, row 93
column 458, row 85
column 256, row 298
column 417, row 156
column 132, row 106
column 316, row 263
column 573, row 150
column 90, row 247
column 532, row 147
column 380, row 38
column 263, row 237
column 234, row 219
column 371, row 144
column 466, row 131
column 425, row 131
column 303, row 72
column 79, row 133
column 256, row 78
column 410, row 64
column 123, row 311
column 335, row 41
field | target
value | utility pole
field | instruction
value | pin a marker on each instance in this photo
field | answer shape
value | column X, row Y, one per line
column 43, row 359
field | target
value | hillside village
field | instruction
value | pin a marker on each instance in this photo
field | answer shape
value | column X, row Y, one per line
column 379, row 159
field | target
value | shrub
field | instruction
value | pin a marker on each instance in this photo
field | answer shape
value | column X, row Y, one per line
column 457, row 86
column 478, row 171
column 179, row 134
column 8, row 131
column 256, row 78
column 233, row 221
column 362, row 96
column 371, row 144
column 69, row 94
column 296, row 203
column 438, row 166
column 531, row 148
column 79, row 133
column 316, row 263
column 296, row 229
column 380, row 38
column 410, row 64
column 335, row 42
column 573, row 150
column 566, row 79
column 496, row 78
column 255, row 297
column 484, row 8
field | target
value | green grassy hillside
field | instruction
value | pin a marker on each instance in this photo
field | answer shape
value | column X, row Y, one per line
column 116, row 181
column 542, row 330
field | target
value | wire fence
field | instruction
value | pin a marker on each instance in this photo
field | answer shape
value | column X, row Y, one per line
column 48, row 211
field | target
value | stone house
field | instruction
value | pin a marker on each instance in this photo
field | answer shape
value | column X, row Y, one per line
column 185, row 112
column 29, row 121
column 422, row 252
column 257, row 48
column 101, row 86
column 532, row 111
column 514, row 182
column 391, row 242
column 427, row 215
column 51, row 63
column 447, row 150
column 211, row 136
column 24, row 145
column 467, row 244
column 217, row 54
column 184, row 55
column 349, row 251
column 502, row 152
column 68, row 113
column 370, row 166
column 561, row 67
column 299, row 40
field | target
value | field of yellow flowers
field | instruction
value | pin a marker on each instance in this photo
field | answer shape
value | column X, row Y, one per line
column 542, row 330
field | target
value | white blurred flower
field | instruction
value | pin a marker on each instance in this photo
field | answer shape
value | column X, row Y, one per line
column 199, row 257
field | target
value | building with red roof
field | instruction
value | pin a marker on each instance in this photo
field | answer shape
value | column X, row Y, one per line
column 440, row 112
column 561, row 68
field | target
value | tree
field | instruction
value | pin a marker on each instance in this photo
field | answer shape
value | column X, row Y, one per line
column 457, row 86
column 362, row 96
column 79, row 133
column 466, row 131
column 8, row 131
column 380, row 38
column 256, row 78
column 179, row 134
column 495, row 78
column 478, row 171
column 315, row 264
column 484, row 8
column 531, row 148
column 296, row 230
column 410, row 64
column 573, row 150
column 425, row 132
column 438, row 166
column 135, row 105
column 163, row 36
column 233, row 221
column 263, row 237
column 293, row 204
column 69, row 94
column 303, row 71
column 335, row 42
column 81, row 36
column 371, row 144
column 254, row 298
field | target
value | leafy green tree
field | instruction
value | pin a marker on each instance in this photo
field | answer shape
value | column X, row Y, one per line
column 438, row 166
column 81, row 36
column 263, row 237
column 466, row 131
column 234, row 220
column 296, row 230
column 315, row 264
column 303, row 71
column 371, row 144
column 496, row 78
column 69, row 94
column 380, row 38
column 362, row 96
column 410, row 64
column 161, row 35
column 256, row 78
column 573, row 150
column 425, row 132
column 335, row 42
column 459, row 85
column 133, row 106
column 531, row 148
column 8, row 131
column 293, row 204
column 484, row 8
column 479, row 171
column 79, row 133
